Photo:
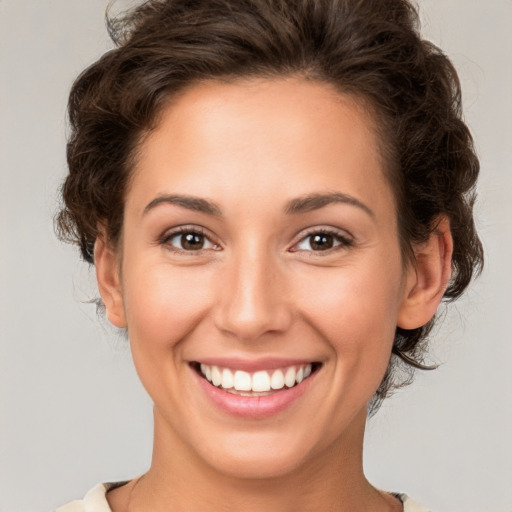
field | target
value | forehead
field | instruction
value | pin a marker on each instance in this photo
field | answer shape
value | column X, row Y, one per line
column 250, row 138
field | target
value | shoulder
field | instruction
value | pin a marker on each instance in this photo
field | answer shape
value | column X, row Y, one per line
column 94, row 501
column 410, row 505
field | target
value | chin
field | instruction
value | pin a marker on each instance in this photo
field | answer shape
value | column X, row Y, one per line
column 258, row 456
column 256, row 466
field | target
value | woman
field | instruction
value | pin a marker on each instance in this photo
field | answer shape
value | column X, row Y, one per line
column 276, row 196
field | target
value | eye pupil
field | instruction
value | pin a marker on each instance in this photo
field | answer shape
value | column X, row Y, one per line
column 321, row 242
column 192, row 241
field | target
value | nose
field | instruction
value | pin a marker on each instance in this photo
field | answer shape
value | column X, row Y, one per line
column 252, row 299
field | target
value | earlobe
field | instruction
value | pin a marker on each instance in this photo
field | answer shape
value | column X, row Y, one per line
column 427, row 277
column 109, row 284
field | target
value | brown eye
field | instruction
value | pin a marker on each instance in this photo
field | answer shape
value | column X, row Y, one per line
column 189, row 241
column 322, row 241
column 192, row 241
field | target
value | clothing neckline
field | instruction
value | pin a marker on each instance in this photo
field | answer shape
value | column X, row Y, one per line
column 96, row 500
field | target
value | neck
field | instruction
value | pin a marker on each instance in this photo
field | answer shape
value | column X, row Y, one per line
column 180, row 481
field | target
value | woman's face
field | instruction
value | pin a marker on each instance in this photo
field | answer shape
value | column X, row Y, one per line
column 260, row 244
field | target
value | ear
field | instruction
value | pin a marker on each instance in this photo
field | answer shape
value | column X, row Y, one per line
column 106, row 262
column 427, row 277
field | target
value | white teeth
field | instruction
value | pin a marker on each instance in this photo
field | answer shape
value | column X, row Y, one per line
column 259, row 382
column 216, row 377
column 242, row 381
column 289, row 377
column 207, row 371
column 228, row 381
column 277, row 380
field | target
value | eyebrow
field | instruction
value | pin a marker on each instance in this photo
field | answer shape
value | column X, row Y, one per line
column 196, row 204
column 302, row 204
column 311, row 202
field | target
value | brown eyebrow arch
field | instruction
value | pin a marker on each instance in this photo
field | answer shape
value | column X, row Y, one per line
column 302, row 204
column 311, row 202
column 190, row 202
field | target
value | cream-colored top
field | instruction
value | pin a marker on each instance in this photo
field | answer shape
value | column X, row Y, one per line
column 95, row 501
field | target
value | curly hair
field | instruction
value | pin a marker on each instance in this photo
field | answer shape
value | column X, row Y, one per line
column 371, row 49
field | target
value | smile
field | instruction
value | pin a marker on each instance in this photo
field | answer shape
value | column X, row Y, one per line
column 258, row 383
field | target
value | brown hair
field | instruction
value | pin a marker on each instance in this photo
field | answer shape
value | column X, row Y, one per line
column 368, row 48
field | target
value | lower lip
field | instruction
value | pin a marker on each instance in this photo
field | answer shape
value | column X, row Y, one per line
column 256, row 407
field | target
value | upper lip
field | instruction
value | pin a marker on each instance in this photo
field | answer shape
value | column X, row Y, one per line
column 254, row 365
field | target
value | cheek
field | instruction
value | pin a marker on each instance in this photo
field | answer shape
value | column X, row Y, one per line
column 352, row 298
column 355, row 310
column 164, row 303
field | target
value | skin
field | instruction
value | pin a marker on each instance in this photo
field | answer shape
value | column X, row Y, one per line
column 258, row 288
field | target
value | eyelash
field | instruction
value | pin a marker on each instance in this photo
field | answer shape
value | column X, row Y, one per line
column 185, row 230
column 342, row 240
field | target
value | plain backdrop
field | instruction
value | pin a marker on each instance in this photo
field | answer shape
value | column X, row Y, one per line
column 72, row 411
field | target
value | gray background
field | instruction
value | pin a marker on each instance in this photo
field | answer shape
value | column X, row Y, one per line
column 72, row 411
